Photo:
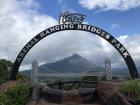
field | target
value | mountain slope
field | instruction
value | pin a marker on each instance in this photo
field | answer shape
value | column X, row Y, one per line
column 74, row 63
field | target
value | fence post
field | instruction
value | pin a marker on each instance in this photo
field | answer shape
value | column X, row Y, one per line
column 34, row 80
column 108, row 71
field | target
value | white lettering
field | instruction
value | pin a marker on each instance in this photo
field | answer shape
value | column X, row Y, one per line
column 125, row 54
column 118, row 45
column 114, row 41
column 28, row 46
column 24, row 50
column 93, row 29
column 35, row 39
column 84, row 27
column 122, row 49
column 42, row 34
column 89, row 27
column 47, row 32
column 79, row 26
column 107, row 36
column 52, row 29
column 71, row 26
column 57, row 28
column 103, row 33
column 66, row 26
column 21, row 54
column 98, row 31
column 19, row 59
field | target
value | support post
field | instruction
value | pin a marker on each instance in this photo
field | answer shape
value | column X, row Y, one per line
column 34, row 80
column 108, row 71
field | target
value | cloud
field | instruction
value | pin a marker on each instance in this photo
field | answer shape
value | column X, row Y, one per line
column 105, row 5
column 132, row 44
column 20, row 21
column 18, row 24
column 90, row 46
column 60, row 1
column 115, row 25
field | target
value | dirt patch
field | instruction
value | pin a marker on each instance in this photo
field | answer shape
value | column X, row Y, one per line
column 107, row 89
column 71, row 96
column 7, row 85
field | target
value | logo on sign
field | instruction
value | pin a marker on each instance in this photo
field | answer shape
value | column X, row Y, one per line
column 71, row 18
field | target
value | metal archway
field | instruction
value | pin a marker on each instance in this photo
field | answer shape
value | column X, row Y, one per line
column 82, row 27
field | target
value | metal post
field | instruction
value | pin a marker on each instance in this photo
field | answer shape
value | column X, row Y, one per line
column 34, row 79
column 108, row 71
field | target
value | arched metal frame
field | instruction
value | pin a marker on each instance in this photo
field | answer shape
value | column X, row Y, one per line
column 82, row 27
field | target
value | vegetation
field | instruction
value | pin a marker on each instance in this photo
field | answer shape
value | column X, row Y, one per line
column 22, row 78
column 17, row 95
column 5, row 70
column 90, row 78
column 131, row 90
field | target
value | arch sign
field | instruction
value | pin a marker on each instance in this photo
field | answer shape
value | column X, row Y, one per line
column 73, row 21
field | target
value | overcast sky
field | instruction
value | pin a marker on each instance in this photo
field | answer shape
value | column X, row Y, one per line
column 20, row 20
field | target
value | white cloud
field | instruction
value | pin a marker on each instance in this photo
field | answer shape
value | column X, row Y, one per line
column 60, row 1
column 18, row 24
column 115, row 25
column 105, row 5
column 133, row 45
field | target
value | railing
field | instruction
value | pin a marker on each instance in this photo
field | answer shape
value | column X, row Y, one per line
column 62, row 85
column 69, row 74
column 72, row 84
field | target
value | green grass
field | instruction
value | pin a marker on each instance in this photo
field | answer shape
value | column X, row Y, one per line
column 17, row 95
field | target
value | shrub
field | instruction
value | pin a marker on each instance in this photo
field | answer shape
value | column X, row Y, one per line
column 5, row 70
column 131, row 89
column 4, row 99
column 17, row 95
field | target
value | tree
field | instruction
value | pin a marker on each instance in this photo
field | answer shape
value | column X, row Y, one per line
column 5, row 70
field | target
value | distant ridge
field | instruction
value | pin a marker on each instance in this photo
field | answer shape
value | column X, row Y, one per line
column 73, row 64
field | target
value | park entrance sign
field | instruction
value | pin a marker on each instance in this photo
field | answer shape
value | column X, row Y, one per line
column 73, row 21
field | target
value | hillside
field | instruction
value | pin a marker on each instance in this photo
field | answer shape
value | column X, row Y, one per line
column 73, row 64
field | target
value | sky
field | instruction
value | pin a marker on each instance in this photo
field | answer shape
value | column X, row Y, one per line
column 21, row 20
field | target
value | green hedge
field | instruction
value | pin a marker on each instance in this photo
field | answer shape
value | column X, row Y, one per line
column 15, row 96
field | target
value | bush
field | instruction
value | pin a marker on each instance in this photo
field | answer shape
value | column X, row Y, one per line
column 17, row 95
column 132, row 90
column 5, row 70
column 4, row 99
